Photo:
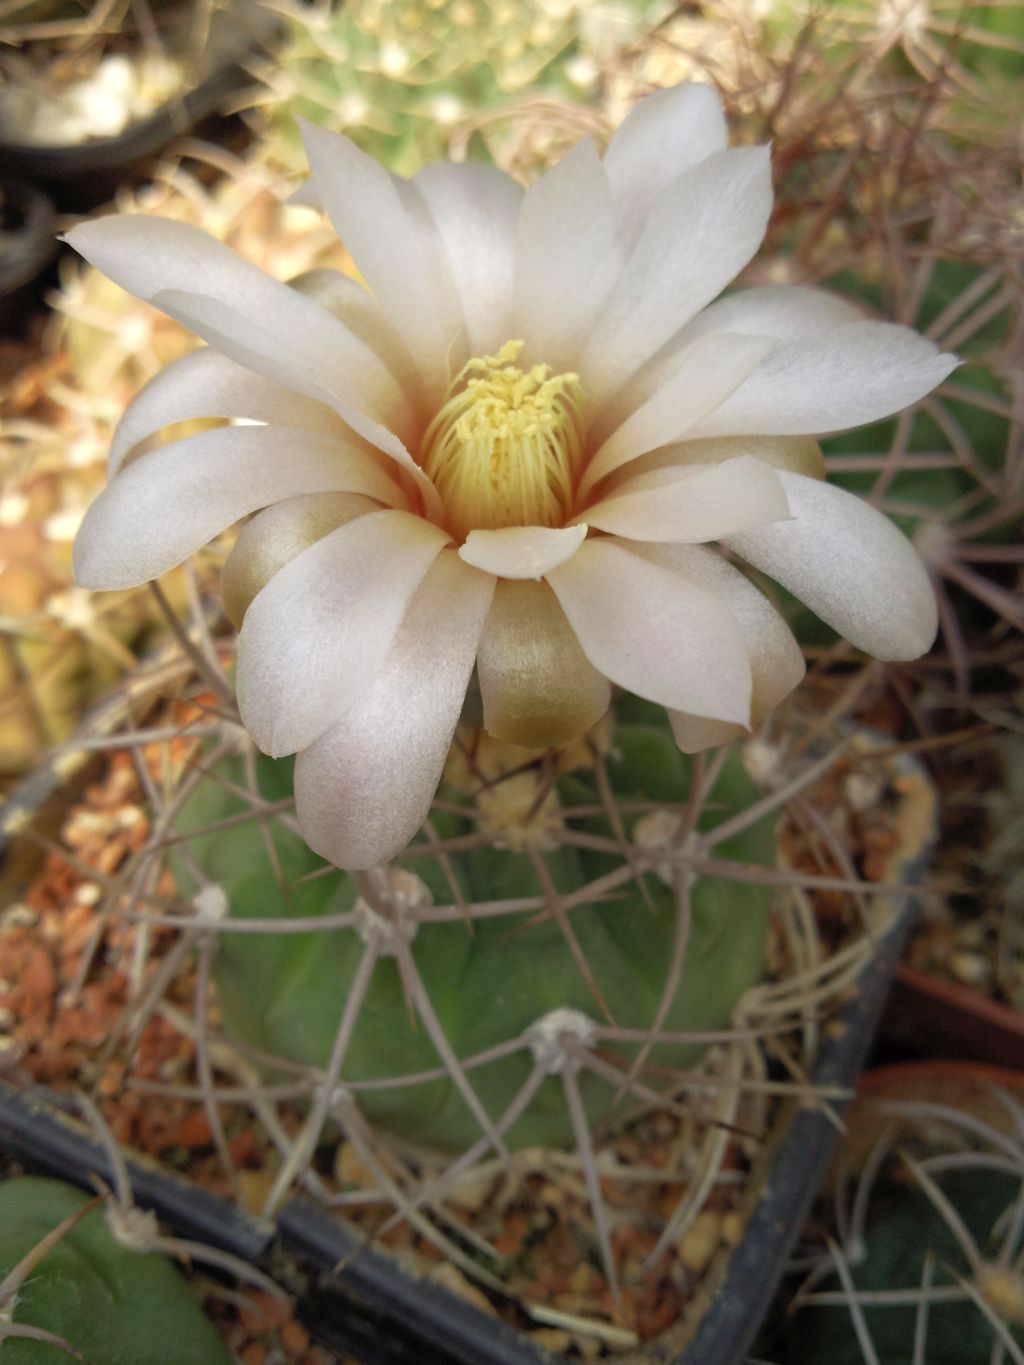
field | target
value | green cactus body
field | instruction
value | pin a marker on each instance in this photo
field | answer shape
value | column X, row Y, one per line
column 489, row 982
column 114, row 1306
column 895, row 1248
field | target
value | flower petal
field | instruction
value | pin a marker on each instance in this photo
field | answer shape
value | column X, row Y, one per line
column 654, row 633
column 153, row 257
column 776, row 660
column 707, row 373
column 664, row 135
column 694, row 734
column 317, row 635
column 364, row 788
column 693, row 503
column 799, row 454
column 384, row 224
column 856, row 373
column 569, row 256
column 273, row 538
column 776, row 312
column 205, row 383
column 784, row 311
column 702, row 230
column 355, row 307
column 220, row 325
column 850, row 565
column 522, row 551
column 475, row 210
column 165, row 505
column 537, row 685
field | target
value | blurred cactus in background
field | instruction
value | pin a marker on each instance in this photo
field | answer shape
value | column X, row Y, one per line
column 406, row 80
column 925, row 1261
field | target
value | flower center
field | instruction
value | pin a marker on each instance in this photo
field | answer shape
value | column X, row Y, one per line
column 506, row 446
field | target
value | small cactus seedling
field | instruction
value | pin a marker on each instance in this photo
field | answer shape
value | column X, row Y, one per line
column 73, row 1290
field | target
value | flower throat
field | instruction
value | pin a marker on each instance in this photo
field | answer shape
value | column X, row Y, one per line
column 505, row 447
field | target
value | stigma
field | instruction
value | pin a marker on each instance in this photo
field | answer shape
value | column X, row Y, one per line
column 506, row 446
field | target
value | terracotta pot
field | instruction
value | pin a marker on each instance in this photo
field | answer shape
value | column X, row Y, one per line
column 940, row 1018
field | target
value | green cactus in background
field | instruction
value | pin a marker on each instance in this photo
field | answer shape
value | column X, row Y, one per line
column 490, row 978
column 924, row 1263
column 109, row 1304
column 895, row 1251
column 399, row 79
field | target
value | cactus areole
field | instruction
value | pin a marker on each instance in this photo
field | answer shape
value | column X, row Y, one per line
column 516, row 450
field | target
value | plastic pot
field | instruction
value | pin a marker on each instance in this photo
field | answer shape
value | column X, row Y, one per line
column 80, row 175
column 27, row 246
column 356, row 1300
column 929, row 1016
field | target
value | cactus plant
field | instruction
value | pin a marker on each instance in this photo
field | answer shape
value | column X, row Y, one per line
column 86, row 1295
column 564, row 942
column 405, row 80
column 607, row 969
column 582, row 919
column 925, row 1264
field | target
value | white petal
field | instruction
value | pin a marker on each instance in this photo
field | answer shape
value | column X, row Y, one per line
column 705, row 374
column 205, row 383
column 522, row 551
column 354, row 306
column 306, row 196
column 537, row 686
column 315, row 638
column 384, row 224
column 666, row 134
column 784, row 311
column 850, row 565
column 569, row 256
column 702, row 230
column 799, row 454
column 273, row 537
column 856, row 373
column 271, row 323
column 365, row 787
column 475, row 210
column 168, row 503
column 776, row 661
column 693, row 502
column 273, row 355
column 654, row 633
column 694, row 734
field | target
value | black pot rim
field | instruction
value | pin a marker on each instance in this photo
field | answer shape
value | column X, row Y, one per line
column 48, row 162
column 35, row 243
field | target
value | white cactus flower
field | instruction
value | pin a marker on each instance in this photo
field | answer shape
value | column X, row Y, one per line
column 512, row 451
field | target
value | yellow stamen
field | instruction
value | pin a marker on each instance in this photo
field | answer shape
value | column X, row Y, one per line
column 505, row 448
